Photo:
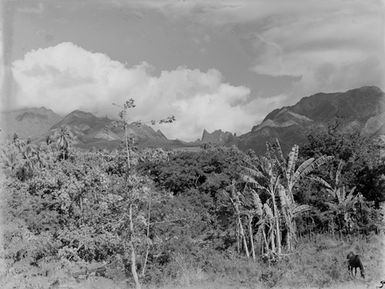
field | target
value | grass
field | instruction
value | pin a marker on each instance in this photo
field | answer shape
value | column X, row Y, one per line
column 316, row 263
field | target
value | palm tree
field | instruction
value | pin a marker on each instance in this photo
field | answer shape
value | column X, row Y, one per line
column 63, row 140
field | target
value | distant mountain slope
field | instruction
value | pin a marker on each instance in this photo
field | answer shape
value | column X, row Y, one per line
column 88, row 130
column 28, row 122
column 91, row 131
column 357, row 108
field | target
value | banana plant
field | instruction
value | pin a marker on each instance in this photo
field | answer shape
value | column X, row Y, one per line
column 262, row 176
column 342, row 201
column 278, row 177
column 291, row 174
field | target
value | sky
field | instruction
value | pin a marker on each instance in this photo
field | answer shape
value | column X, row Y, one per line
column 213, row 64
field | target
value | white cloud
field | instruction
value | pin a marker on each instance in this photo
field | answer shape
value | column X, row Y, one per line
column 67, row 77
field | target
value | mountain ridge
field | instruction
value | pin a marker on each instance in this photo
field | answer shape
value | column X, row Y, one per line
column 358, row 108
column 28, row 122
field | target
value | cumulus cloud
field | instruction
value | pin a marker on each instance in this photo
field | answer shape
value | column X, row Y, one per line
column 67, row 77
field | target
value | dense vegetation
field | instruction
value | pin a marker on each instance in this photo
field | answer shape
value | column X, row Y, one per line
column 155, row 216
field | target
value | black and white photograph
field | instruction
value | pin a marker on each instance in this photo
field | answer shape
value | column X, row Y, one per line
column 192, row 144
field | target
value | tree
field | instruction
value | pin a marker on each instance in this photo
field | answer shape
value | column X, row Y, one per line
column 341, row 203
column 132, row 195
column 371, row 182
column 198, row 180
column 21, row 158
column 64, row 139
column 356, row 150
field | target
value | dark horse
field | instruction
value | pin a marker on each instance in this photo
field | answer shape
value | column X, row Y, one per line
column 354, row 262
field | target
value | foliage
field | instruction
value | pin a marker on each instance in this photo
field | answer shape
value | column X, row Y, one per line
column 198, row 180
column 363, row 162
column 75, row 214
column 358, row 164
column 276, row 177
column 74, row 210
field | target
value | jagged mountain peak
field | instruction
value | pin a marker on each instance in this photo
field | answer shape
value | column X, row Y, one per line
column 217, row 137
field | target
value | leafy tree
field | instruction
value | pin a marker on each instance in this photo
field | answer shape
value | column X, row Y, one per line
column 363, row 167
column 199, row 178
column 20, row 158
column 371, row 182
column 357, row 151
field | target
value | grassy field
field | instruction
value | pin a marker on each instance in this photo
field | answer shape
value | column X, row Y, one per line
column 316, row 263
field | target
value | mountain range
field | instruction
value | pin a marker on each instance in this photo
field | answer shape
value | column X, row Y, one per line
column 354, row 109
column 88, row 130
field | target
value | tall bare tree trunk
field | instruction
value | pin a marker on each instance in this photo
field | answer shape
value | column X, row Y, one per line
column 238, row 243
column 243, row 236
column 288, row 241
column 147, row 239
column 265, row 241
column 131, row 223
column 132, row 248
column 251, row 237
column 236, row 203
column 276, row 218
column 127, row 147
column 272, row 241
